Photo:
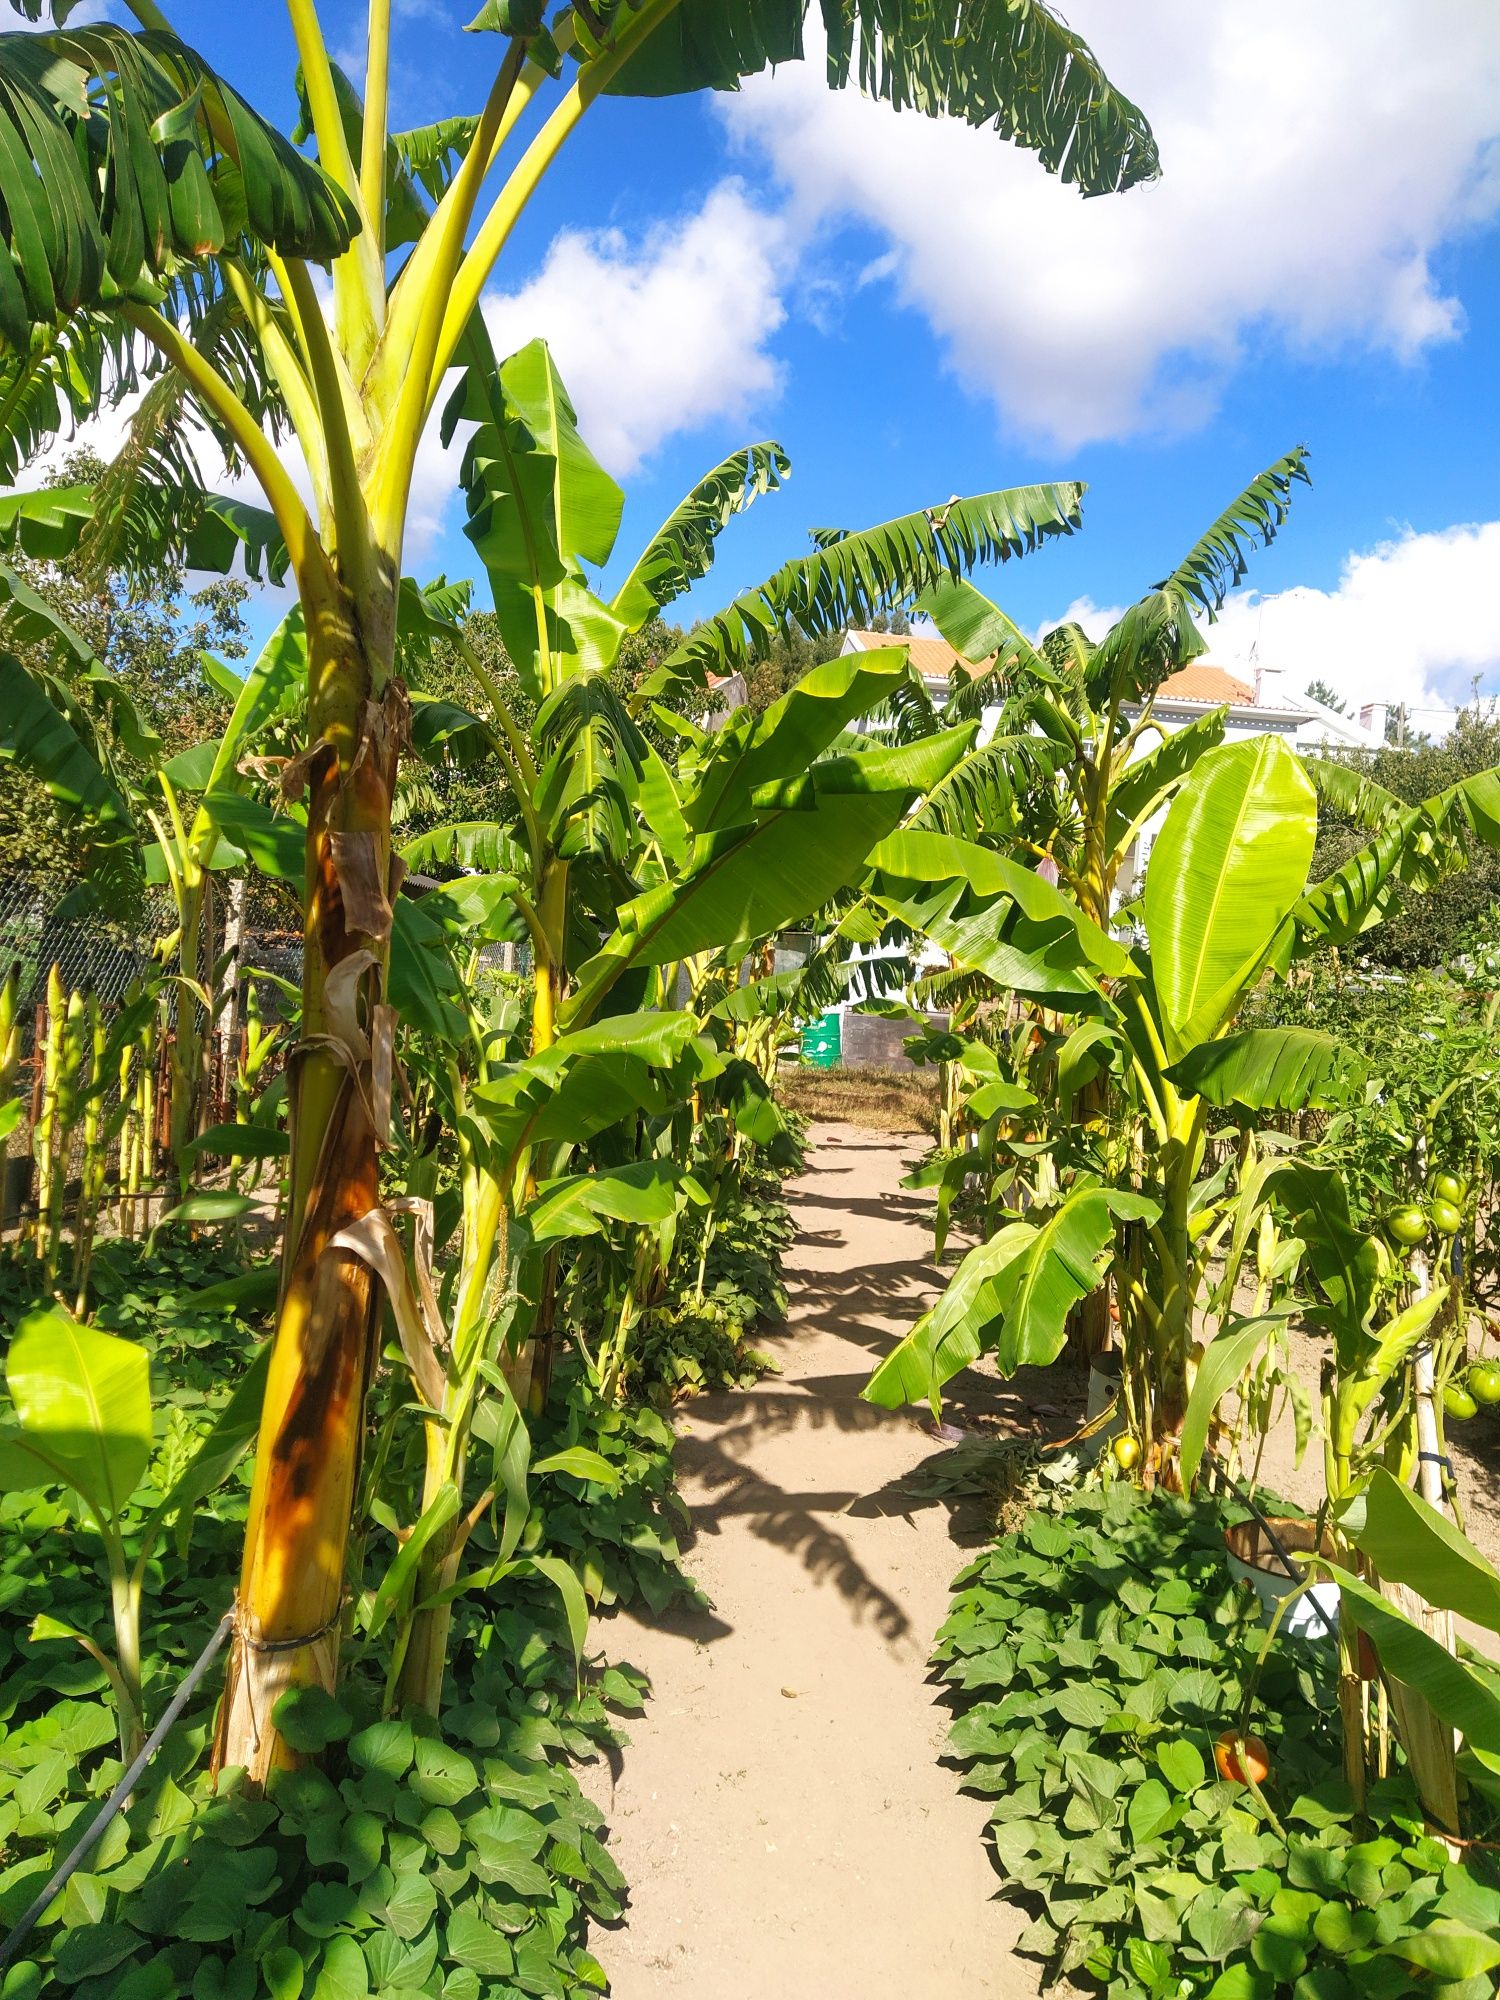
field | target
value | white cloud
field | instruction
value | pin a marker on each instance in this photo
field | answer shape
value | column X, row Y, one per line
column 1415, row 620
column 1095, row 619
column 658, row 335
column 1317, row 154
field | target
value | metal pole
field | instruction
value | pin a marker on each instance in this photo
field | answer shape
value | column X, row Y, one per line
column 121, row 1792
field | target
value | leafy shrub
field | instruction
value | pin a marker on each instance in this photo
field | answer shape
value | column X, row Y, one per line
column 683, row 1348
column 460, row 1861
column 693, row 1340
column 1094, row 1657
column 153, row 1296
column 623, row 1544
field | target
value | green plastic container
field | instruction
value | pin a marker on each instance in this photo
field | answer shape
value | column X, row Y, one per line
column 823, row 1041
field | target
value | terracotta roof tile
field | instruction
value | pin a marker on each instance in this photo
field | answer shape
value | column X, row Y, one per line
column 1208, row 684
column 933, row 658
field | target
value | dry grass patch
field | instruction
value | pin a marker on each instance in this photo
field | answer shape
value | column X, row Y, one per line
column 878, row 1099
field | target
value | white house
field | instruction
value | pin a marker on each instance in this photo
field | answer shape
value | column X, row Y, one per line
column 1259, row 710
column 726, row 693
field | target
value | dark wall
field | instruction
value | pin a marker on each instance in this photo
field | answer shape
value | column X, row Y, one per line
column 871, row 1042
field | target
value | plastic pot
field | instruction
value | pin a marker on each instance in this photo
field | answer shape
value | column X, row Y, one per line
column 1104, row 1389
column 1253, row 1560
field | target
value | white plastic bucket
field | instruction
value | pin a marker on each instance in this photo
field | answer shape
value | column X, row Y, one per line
column 1253, row 1560
column 1104, row 1389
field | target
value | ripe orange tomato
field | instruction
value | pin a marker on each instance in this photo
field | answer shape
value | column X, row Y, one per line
column 1257, row 1759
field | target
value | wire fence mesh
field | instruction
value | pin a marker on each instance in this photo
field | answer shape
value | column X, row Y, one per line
column 114, row 955
column 98, row 952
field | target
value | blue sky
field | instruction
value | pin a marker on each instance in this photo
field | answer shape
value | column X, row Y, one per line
column 915, row 311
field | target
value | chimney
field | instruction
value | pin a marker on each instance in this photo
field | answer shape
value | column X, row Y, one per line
column 1268, row 686
column 1372, row 717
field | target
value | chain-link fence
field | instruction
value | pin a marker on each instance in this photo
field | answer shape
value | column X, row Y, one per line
column 97, row 951
column 111, row 954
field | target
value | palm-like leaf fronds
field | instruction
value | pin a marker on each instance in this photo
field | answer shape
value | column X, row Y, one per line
column 1010, row 64
column 1152, row 640
column 1216, row 562
column 952, row 987
column 977, row 800
column 468, row 844
column 682, row 549
column 592, row 757
column 1352, row 793
column 907, row 715
column 854, row 579
column 152, row 509
column 431, row 154
column 977, row 629
column 60, row 377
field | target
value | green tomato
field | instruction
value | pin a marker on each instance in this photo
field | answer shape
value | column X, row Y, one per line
column 1408, row 1224
column 1483, row 1383
column 1446, row 1219
column 1458, row 1402
column 1448, row 1187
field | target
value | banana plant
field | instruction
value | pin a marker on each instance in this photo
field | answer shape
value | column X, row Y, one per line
column 1083, row 762
column 1113, row 765
column 83, row 1422
column 1227, row 874
column 501, row 1112
column 601, row 819
column 520, row 1123
column 216, row 206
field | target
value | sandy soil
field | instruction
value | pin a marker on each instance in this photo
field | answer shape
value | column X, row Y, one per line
column 780, row 1813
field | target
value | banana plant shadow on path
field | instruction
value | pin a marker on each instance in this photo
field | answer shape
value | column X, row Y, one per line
column 780, row 1813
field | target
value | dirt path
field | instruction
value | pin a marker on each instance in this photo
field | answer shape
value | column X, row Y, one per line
column 780, row 1812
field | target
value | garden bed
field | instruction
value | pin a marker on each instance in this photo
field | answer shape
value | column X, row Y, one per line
column 1094, row 1657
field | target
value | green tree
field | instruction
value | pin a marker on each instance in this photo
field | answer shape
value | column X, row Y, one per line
column 1457, row 915
column 1319, row 690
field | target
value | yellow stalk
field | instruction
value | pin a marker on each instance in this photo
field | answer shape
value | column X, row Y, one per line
column 189, row 872
column 377, row 118
column 473, row 273
column 285, row 364
column 412, row 292
column 406, row 373
column 350, row 521
column 150, row 16
column 509, row 204
column 359, row 275
column 205, row 380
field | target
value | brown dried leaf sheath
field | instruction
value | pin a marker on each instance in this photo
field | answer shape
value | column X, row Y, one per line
column 356, row 862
